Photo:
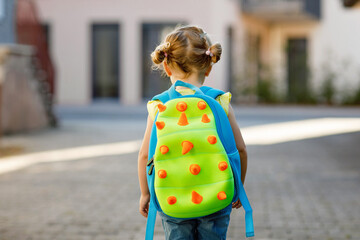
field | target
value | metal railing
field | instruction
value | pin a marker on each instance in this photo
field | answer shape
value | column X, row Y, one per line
column 29, row 31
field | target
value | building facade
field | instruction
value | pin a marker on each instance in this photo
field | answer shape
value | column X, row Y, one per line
column 102, row 48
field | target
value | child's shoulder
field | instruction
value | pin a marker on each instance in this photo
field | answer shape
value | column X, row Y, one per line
column 224, row 100
column 152, row 107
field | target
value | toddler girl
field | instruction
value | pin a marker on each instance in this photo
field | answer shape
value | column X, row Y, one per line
column 187, row 54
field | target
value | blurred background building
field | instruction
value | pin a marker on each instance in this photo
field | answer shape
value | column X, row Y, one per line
column 26, row 70
column 300, row 50
column 273, row 50
column 284, row 48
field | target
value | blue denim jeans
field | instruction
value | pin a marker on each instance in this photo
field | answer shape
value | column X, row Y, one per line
column 210, row 227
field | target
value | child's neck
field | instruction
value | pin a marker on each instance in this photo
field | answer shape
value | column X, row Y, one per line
column 194, row 79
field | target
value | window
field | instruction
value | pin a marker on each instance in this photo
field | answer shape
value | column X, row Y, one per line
column 2, row 9
column 297, row 70
column 105, row 61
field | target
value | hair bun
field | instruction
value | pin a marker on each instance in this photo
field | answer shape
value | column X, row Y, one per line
column 158, row 56
column 160, row 53
column 216, row 51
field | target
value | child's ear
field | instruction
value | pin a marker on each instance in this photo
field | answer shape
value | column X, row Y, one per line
column 167, row 70
column 208, row 71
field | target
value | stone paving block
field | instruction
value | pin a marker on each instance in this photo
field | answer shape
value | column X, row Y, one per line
column 106, row 237
column 74, row 237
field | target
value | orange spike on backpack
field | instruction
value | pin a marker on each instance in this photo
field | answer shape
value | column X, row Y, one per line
column 183, row 120
column 160, row 125
column 201, row 105
column 164, row 149
column 162, row 173
column 222, row 166
column 212, row 139
column 221, row 195
column 195, row 169
column 196, row 198
column 161, row 107
column 186, row 147
column 171, row 200
column 205, row 118
column 181, row 106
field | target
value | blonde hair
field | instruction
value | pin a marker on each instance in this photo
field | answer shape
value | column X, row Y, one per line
column 187, row 48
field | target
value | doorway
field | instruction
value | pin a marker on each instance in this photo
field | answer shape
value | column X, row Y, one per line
column 105, row 61
column 297, row 70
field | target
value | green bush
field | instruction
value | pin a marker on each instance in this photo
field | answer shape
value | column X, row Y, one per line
column 328, row 90
column 266, row 92
column 353, row 99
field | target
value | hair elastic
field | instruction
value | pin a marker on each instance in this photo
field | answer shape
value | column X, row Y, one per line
column 208, row 52
column 202, row 35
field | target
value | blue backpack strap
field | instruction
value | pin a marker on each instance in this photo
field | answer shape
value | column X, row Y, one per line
column 211, row 92
column 204, row 89
column 249, row 225
column 171, row 93
column 150, row 223
column 168, row 94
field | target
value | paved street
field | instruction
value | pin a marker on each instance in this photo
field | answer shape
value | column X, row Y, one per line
column 305, row 189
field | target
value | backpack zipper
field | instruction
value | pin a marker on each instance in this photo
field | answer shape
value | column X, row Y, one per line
column 151, row 169
column 151, row 164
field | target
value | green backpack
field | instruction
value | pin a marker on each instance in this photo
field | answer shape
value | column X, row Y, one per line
column 194, row 166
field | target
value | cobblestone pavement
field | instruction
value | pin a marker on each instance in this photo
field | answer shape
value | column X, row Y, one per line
column 307, row 189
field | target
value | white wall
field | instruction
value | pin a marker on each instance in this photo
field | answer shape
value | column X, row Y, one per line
column 336, row 41
column 71, row 21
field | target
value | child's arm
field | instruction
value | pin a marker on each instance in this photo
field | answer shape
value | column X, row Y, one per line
column 142, row 160
column 241, row 147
